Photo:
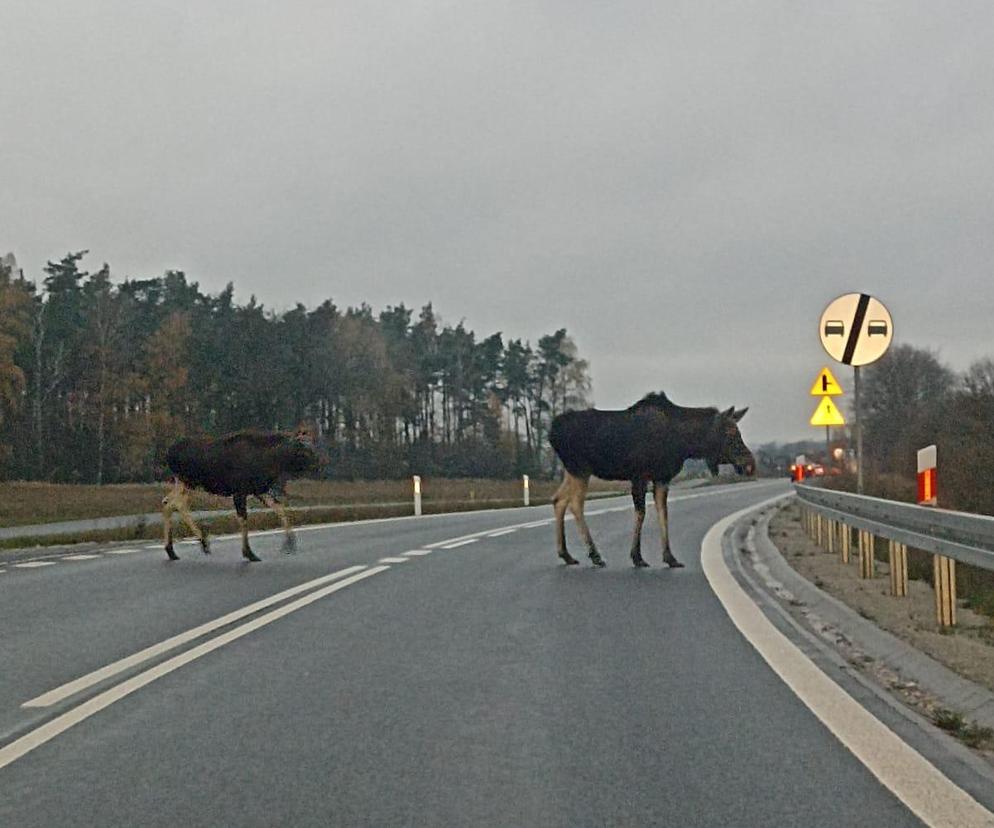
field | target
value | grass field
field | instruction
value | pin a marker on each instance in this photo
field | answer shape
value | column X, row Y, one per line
column 30, row 503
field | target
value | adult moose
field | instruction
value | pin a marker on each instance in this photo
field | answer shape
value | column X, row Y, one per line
column 239, row 465
column 650, row 440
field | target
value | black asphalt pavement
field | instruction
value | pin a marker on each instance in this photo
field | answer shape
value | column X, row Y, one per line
column 484, row 684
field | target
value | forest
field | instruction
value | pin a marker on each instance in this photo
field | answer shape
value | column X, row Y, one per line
column 98, row 377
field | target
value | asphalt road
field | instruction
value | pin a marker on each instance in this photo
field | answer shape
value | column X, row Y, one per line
column 482, row 684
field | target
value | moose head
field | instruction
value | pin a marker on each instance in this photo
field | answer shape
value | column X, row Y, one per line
column 726, row 445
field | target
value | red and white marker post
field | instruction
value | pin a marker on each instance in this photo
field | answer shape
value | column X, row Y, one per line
column 944, row 569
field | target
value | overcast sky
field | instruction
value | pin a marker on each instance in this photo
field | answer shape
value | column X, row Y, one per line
column 683, row 186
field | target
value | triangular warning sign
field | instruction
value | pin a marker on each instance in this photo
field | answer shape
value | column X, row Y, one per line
column 826, row 385
column 826, row 414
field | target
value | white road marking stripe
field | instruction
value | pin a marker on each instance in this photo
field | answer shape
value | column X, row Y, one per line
column 501, row 533
column 461, row 543
column 48, row 731
column 33, row 564
column 83, row 682
column 394, row 560
column 121, row 551
column 80, row 557
column 925, row 790
column 414, row 553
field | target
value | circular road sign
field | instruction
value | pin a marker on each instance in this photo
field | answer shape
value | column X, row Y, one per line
column 856, row 329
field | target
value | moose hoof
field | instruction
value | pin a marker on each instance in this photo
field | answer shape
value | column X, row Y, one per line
column 290, row 545
column 568, row 559
column 673, row 563
column 597, row 560
column 172, row 555
column 249, row 555
column 206, row 547
column 639, row 563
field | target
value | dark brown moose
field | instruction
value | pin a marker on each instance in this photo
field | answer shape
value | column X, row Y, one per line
column 239, row 465
column 650, row 440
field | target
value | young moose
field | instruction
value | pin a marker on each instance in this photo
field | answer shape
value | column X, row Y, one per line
column 238, row 465
column 648, row 441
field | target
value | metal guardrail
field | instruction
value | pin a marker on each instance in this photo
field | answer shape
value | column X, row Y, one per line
column 958, row 535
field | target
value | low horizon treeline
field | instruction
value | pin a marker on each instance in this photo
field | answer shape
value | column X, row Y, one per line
column 98, row 378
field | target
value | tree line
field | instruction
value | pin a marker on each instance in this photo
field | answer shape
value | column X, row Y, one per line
column 98, row 377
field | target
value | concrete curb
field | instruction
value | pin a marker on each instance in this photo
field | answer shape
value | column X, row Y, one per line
column 975, row 702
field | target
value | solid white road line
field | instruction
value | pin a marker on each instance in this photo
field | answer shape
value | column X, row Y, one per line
column 121, row 551
column 48, row 731
column 416, row 553
column 925, row 790
column 83, row 682
column 394, row 560
column 80, row 557
column 460, row 543
column 33, row 564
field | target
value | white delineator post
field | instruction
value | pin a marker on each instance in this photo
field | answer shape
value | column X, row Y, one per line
column 524, row 483
column 943, row 569
column 417, row 496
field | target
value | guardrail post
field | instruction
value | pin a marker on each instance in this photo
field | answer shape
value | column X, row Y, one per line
column 898, row 554
column 833, row 528
column 818, row 529
column 417, row 496
column 945, row 590
column 866, row 560
column 846, row 546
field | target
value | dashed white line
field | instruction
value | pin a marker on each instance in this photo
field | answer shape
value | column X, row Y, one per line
column 501, row 533
column 414, row 553
column 80, row 557
column 33, row 564
column 121, row 551
column 460, row 543
column 394, row 560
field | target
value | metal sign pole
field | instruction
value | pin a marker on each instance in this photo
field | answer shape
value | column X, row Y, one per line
column 859, row 434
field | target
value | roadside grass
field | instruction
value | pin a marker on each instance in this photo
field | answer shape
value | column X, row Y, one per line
column 970, row 733
column 24, row 503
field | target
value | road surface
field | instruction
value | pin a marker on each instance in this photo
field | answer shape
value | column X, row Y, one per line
column 445, row 670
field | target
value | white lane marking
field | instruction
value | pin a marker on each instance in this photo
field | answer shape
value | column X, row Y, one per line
column 80, row 557
column 922, row 787
column 33, row 564
column 501, row 533
column 394, row 560
column 48, row 731
column 121, row 551
column 83, row 682
column 461, row 543
column 414, row 553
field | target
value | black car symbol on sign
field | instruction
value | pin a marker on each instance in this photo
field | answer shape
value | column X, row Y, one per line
column 878, row 327
column 835, row 328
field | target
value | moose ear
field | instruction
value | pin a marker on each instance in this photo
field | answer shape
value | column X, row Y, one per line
column 738, row 415
column 729, row 413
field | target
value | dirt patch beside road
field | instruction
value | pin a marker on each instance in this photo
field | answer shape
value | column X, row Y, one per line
column 968, row 649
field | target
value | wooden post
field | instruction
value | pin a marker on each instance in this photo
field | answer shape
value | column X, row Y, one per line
column 818, row 529
column 866, row 561
column 945, row 590
column 846, row 545
column 898, row 554
column 832, row 530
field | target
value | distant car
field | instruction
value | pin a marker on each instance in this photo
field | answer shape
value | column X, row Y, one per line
column 835, row 327
column 878, row 327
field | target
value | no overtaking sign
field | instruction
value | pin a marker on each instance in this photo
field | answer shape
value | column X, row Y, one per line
column 856, row 329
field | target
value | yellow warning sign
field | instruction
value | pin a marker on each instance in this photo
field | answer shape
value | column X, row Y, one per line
column 826, row 385
column 826, row 414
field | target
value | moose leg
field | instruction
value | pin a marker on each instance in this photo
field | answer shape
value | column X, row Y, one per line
column 168, row 507
column 242, row 510
column 659, row 494
column 638, row 497
column 578, row 494
column 290, row 544
column 560, row 503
